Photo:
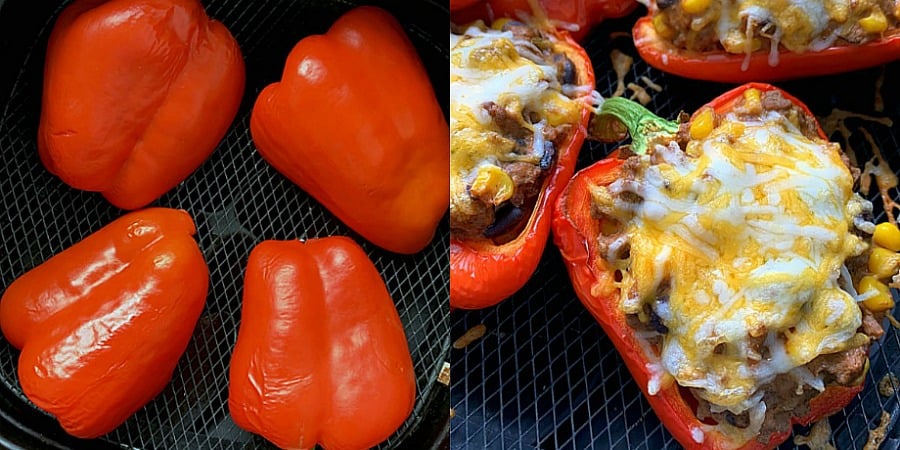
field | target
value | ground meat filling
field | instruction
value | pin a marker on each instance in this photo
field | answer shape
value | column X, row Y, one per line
column 526, row 165
column 737, row 28
column 787, row 395
column 782, row 403
column 527, row 172
column 842, row 368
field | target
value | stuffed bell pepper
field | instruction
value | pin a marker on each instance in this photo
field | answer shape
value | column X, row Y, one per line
column 520, row 96
column 731, row 263
column 576, row 16
column 761, row 40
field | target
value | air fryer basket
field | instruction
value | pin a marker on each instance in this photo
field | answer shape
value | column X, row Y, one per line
column 546, row 376
column 237, row 200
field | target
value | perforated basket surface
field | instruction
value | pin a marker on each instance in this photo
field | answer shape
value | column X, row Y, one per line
column 236, row 199
column 546, row 376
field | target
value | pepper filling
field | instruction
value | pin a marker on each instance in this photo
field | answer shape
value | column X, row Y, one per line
column 514, row 100
column 742, row 250
column 746, row 26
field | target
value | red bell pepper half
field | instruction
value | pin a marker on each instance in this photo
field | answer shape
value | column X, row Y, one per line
column 482, row 273
column 724, row 67
column 575, row 233
column 321, row 356
column 137, row 94
column 582, row 14
column 102, row 324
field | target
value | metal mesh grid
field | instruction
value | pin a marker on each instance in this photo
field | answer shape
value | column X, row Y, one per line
column 546, row 376
column 236, row 199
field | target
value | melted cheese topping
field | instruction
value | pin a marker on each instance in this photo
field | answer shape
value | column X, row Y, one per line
column 490, row 66
column 745, row 26
column 796, row 22
column 747, row 232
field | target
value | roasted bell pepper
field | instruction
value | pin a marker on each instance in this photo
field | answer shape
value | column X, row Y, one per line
column 456, row 5
column 355, row 123
column 102, row 324
column 578, row 16
column 137, row 94
column 321, row 356
column 482, row 272
column 724, row 67
column 576, row 230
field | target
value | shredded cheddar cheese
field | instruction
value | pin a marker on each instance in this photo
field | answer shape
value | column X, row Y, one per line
column 748, row 26
column 740, row 238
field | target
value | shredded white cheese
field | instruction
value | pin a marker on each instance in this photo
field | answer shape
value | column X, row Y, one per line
column 751, row 232
column 697, row 435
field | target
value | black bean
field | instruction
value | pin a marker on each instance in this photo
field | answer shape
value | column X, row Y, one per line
column 656, row 322
column 565, row 69
column 663, row 4
column 568, row 71
column 506, row 217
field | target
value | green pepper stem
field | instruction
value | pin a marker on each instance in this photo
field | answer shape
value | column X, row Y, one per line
column 643, row 126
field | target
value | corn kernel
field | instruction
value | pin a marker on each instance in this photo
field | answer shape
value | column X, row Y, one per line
column 753, row 101
column 875, row 22
column 882, row 300
column 695, row 6
column 879, row 303
column 869, row 282
column 703, row 124
column 662, row 27
column 883, row 263
column 492, row 184
column 887, row 235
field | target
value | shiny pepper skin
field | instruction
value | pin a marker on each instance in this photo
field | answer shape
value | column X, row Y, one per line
column 102, row 324
column 137, row 94
column 355, row 123
column 321, row 356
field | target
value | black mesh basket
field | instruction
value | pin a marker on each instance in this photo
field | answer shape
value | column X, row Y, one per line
column 546, row 376
column 237, row 200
